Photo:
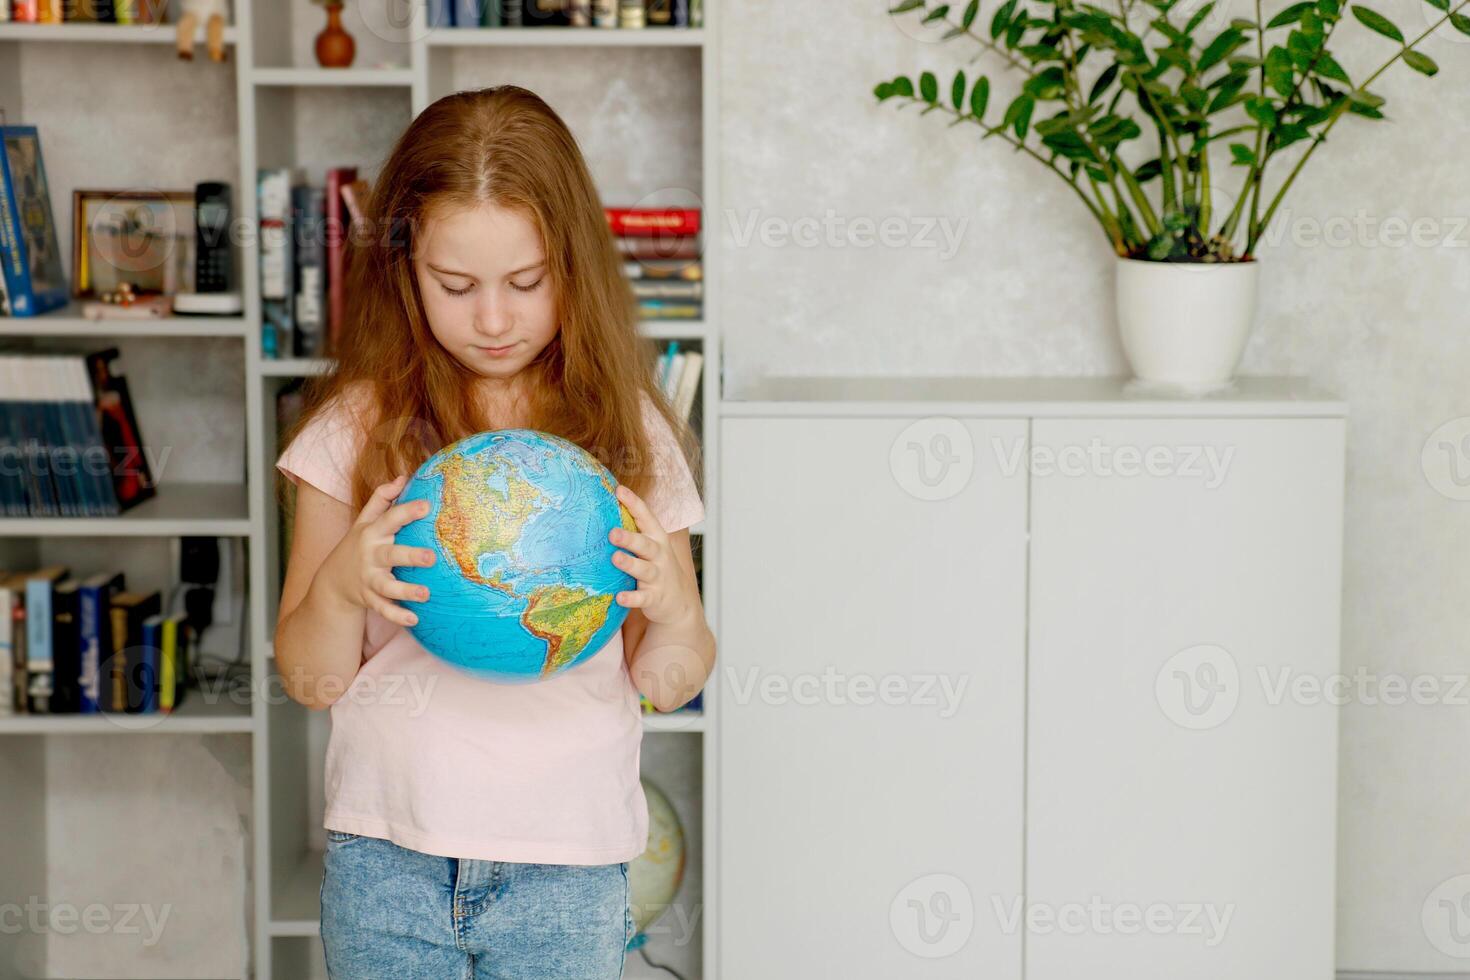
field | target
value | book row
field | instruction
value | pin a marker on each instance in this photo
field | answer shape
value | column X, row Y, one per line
column 84, row 646
column 70, row 445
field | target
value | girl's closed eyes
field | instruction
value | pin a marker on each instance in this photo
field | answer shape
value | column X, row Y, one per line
column 524, row 289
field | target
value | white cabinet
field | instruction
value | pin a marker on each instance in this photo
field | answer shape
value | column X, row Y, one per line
column 871, row 703
column 1126, row 613
column 1173, row 765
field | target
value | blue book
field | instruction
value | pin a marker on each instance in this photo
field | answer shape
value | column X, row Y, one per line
column 38, row 617
column 58, row 461
column 143, row 675
column 29, row 253
column 665, row 361
column 94, row 475
column 96, row 637
column 40, row 668
column 36, row 454
column 440, row 13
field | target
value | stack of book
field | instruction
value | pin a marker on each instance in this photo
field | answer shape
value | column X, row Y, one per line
column 303, row 245
column 83, row 646
column 661, row 257
column 626, row 14
column 69, row 440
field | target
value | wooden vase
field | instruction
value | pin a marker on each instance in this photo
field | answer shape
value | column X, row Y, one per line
column 334, row 46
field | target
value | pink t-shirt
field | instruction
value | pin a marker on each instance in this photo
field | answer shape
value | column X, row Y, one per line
column 444, row 762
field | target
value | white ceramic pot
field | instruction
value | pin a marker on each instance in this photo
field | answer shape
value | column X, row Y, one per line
column 1184, row 324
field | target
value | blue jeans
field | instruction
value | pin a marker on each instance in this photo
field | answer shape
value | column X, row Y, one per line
column 391, row 913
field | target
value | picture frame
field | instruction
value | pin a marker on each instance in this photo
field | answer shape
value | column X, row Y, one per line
column 145, row 238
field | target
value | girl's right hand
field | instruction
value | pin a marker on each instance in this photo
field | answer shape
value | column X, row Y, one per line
column 360, row 568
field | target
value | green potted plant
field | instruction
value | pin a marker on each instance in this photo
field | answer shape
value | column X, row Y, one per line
column 1181, row 146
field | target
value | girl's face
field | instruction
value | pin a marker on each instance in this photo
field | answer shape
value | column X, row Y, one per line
column 482, row 275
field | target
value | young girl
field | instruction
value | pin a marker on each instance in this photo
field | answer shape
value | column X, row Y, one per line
column 477, row 829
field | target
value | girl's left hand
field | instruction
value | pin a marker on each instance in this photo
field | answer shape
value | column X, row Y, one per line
column 665, row 594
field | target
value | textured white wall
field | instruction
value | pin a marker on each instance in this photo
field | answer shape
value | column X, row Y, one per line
column 1029, row 290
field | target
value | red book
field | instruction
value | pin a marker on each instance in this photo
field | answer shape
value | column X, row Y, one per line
column 643, row 222
column 336, row 242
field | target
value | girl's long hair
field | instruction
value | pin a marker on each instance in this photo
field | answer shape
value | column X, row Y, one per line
column 504, row 146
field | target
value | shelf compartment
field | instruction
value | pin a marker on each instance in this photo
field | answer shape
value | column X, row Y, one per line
column 178, row 509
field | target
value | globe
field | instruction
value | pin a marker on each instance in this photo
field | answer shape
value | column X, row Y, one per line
column 524, row 586
column 654, row 876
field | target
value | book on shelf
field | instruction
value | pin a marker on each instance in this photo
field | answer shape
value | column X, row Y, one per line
column 678, row 373
column 39, row 587
column 309, row 300
column 131, row 475
column 32, row 280
column 85, row 646
column 653, row 222
column 94, row 635
column 273, row 202
column 69, row 437
column 664, row 270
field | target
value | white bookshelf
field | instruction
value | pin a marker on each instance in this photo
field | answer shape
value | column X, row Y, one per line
column 280, row 95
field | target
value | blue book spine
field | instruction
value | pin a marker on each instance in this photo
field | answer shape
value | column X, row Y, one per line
column 12, row 476
column 66, row 458
column 666, row 360
column 147, row 668
column 92, row 609
column 12, row 249
column 27, row 297
column 440, row 13
column 466, row 13
column 38, row 624
column 56, row 458
column 44, row 502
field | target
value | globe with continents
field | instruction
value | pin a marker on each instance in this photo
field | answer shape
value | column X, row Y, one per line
column 523, row 586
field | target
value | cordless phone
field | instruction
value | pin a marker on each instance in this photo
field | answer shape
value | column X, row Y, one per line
column 213, row 259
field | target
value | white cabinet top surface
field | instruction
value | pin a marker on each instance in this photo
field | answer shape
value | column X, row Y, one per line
column 878, row 395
